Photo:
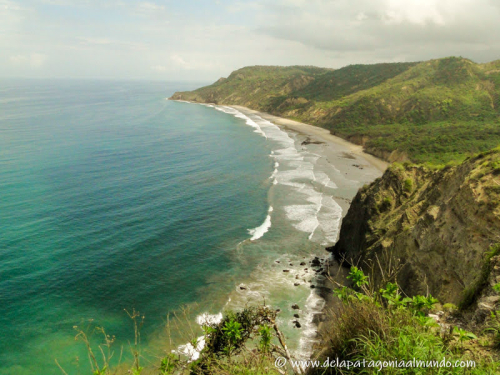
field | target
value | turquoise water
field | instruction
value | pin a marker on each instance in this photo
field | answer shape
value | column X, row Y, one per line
column 113, row 198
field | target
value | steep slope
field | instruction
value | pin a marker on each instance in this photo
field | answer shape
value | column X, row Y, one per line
column 433, row 111
column 254, row 86
column 275, row 89
column 430, row 230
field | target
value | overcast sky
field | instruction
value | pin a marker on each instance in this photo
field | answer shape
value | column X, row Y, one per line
column 207, row 39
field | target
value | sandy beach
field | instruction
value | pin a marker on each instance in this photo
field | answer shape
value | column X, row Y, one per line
column 317, row 134
column 347, row 158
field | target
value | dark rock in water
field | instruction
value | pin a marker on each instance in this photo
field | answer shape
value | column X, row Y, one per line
column 324, row 273
column 297, row 324
column 305, row 269
column 291, row 265
column 286, row 270
column 313, row 286
column 243, row 288
column 296, row 276
column 277, row 261
column 315, row 262
column 302, row 263
column 278, row 310
column 296, row 284
column 296, row 316
column 295, row 307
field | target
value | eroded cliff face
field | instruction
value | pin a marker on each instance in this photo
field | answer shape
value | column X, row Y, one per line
column 430, row 230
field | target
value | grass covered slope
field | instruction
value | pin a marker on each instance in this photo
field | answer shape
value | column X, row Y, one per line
column 433, row 111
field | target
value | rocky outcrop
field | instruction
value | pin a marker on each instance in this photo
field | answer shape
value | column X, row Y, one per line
column 430, row 230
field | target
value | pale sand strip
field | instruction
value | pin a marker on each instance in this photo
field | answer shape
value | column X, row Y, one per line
column 317, row 134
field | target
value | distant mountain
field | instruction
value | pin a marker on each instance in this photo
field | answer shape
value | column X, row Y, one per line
column 433, row 111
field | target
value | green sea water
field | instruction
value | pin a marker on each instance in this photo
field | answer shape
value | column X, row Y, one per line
column 113, row 198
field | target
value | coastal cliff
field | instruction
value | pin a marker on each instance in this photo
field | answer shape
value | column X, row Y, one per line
column 432, row 231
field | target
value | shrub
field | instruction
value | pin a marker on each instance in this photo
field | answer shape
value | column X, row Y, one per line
column 363, row 329
column 408, row 185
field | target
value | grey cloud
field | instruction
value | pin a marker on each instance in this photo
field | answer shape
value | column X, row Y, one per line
column 377, row 26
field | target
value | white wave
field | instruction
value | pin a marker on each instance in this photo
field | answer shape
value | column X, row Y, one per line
column 263, row 228
column 208, row 319
column 323, row 179
column 240, row 115
column 314, row 305
column 329, row 218
column 303, row 216
column 190, row 351
column 317, row 212
column 296, row 168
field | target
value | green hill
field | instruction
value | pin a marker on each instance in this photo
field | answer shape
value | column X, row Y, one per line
column 433, row 111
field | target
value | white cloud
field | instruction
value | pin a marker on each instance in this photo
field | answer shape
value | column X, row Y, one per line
column 11, row 14
column 146, row 6
column 179, row 61
column 361, row 16
column 418, row 12
column 159, row 68
column 34, row 60
column 98, row 41
column 195, row 62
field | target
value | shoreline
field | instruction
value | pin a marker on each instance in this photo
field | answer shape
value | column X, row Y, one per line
column 344, row 153
column 317, row 134
column 351, row 167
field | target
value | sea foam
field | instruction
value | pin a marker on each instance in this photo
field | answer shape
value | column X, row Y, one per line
column 240, row 115
column 263, row 228
column 295, row 167
column 189, row 350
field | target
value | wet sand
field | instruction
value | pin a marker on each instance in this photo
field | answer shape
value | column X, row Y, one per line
column 317, row 134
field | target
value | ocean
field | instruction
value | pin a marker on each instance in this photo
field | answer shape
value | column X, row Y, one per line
column 113, row 198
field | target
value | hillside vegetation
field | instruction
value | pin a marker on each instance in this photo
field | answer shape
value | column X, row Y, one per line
column 430, row 232
column 433, row 111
